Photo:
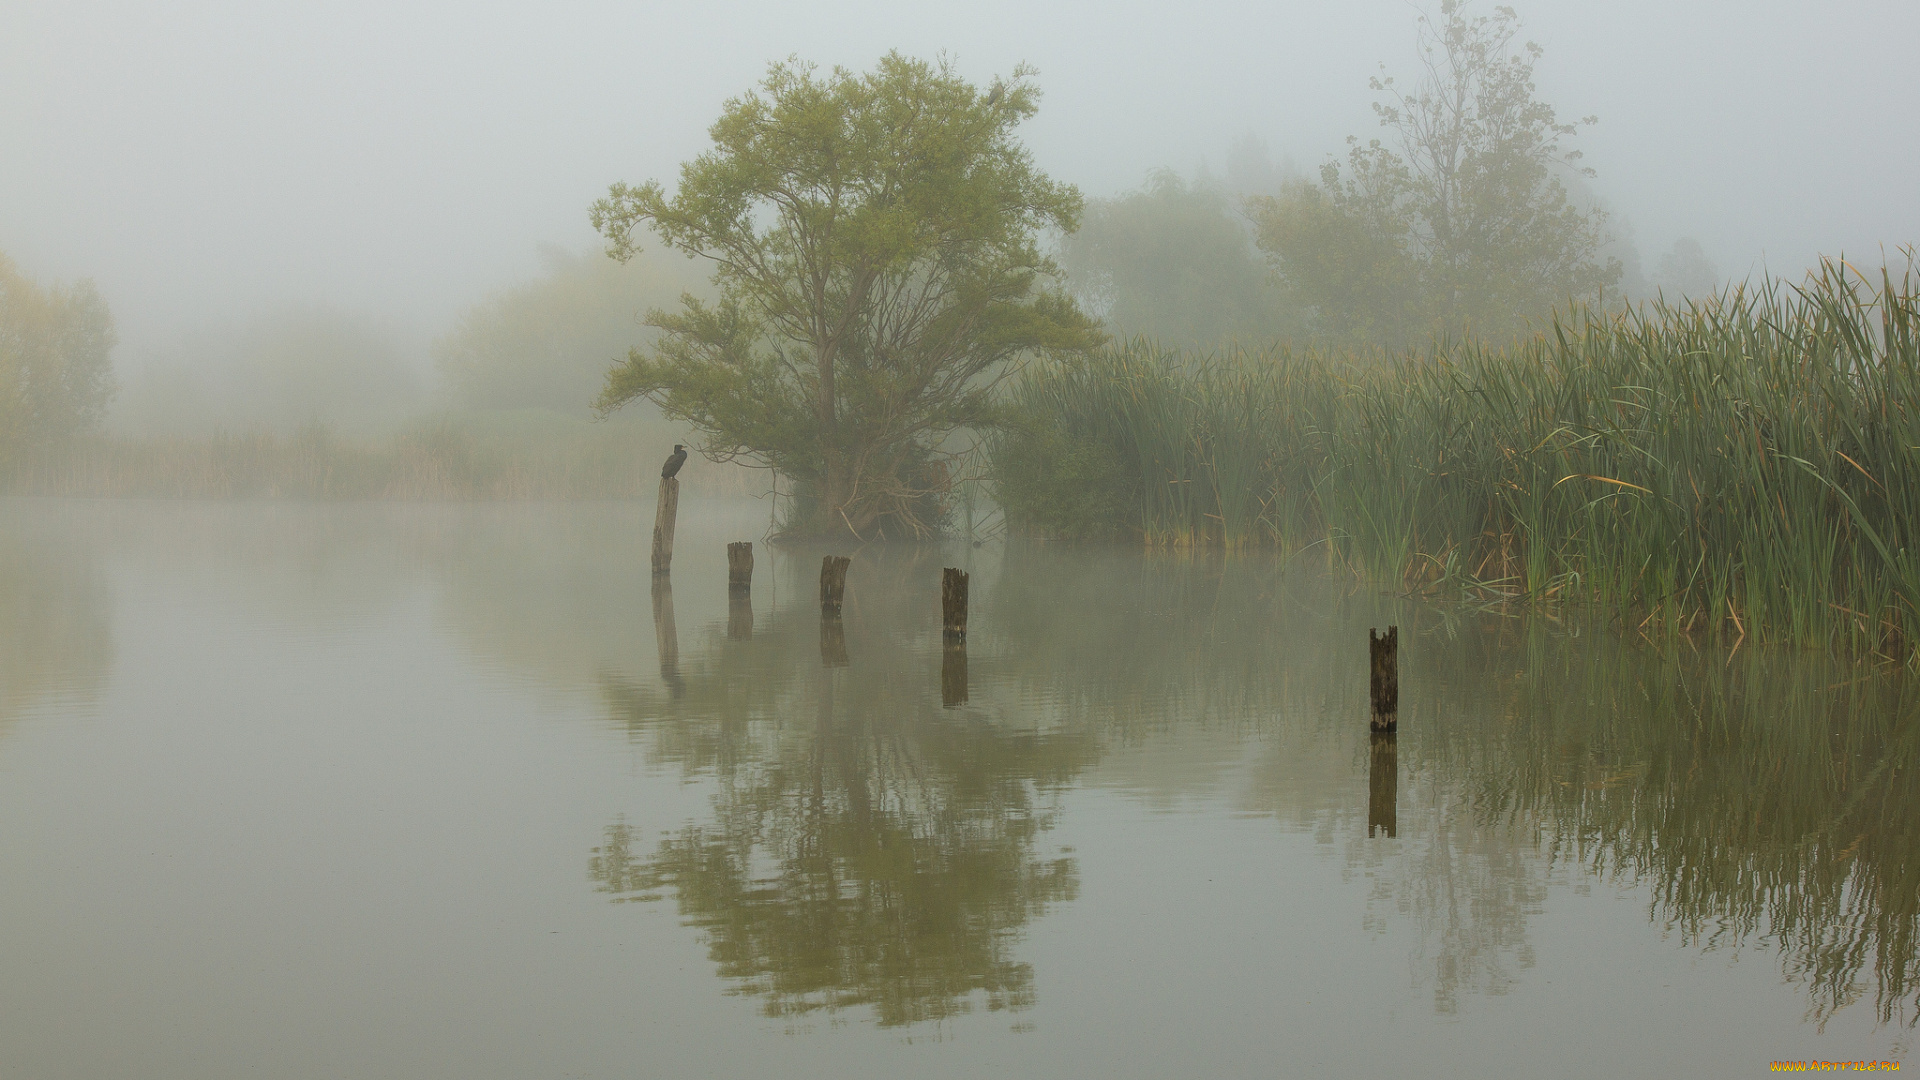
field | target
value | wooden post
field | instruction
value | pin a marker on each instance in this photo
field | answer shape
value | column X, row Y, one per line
column 1383, row 785
column 663, row 517
column 740, row 566
column 833, row 582
column 953, row 604
column 1384, row 651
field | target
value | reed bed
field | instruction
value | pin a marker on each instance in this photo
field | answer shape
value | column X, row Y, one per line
column 1746, row 463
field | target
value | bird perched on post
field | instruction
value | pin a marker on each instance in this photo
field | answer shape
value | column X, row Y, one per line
column 674, row 461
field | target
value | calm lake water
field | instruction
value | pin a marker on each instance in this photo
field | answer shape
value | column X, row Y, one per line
column 444, row 791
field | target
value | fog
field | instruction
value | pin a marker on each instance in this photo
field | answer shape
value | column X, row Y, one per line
column 216, row 164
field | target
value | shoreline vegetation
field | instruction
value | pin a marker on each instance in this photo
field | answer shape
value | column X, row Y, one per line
column 1748, row 464
column 490, row 455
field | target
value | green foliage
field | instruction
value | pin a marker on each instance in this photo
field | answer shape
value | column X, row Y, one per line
column 1463, row 226
column 56, row 361
column 546, row 344
column 1175, row 262
column 874, row 245
column 1069, row 487
column 1746, row 462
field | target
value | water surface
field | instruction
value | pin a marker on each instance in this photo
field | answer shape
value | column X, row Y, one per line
column 399, row 791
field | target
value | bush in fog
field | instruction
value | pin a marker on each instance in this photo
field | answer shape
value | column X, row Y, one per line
column 277, row 373
column 548, row 343
column 1175, row 262
column 1685, row 271
column 1464, row 225
column 56, row 361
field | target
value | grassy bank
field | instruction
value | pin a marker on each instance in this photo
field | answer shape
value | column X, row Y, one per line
column 1750, row 462
column 527, row 454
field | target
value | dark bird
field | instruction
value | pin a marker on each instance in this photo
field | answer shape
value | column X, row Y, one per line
column 674, row 461
column 994, row 97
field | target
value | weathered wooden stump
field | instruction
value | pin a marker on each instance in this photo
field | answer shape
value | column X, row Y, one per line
column 953, row 604
column 833, row 640
column 953, row 674
column 740, row 566
column 833, row 582
column 1384, row 651
column 663, row 519
column 1383, row 786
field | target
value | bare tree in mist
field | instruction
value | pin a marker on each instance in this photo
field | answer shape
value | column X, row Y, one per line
column 1462, row 224
column 1175, row 261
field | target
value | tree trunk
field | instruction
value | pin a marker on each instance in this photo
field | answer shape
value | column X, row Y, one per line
column 833, row 477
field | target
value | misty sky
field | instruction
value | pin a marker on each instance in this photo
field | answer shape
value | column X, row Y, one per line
column 204, row 160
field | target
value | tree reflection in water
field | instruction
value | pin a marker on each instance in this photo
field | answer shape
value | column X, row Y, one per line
column 56, row 636
column 870, row 847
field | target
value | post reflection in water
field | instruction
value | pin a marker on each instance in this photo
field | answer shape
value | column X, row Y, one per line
column 833, row 641
column 886, row 851
column 1383, row 785
column 953, row 674
column 740, row 615
column 666, row 634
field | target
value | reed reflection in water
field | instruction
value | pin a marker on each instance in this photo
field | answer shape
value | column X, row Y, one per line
column 875, row 842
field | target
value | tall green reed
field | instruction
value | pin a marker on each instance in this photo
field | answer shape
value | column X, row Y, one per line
column 1747, row 462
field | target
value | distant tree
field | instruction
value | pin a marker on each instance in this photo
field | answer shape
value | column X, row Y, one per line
column 1175, row 261
column 279, row 371
column 56, row 360
column 874, row 243
column 1685, row 271
column 546, row 343
column 1464, row 226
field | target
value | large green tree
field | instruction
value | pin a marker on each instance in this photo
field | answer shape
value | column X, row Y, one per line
column 1464, row 226
column 56, row 360
column 874, row 244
